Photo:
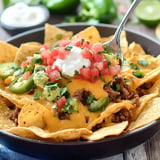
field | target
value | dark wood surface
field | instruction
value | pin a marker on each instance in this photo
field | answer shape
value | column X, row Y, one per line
column 150, row 150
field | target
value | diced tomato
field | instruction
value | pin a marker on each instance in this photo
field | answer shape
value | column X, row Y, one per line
column 44, row 47
column 97, row 57
column 24, row 64
column 76, row 43
column 87, row 44
column 45, row 55
column 99, row 65
column 64, row 42
column 61, row 103
column 94, row 74
column 26, row 75
column 54, row 75
column 86, row 54
column 52, row 56
column 114, row 70
column 96, row 48
column 63, row 53
column 105, row 64
column 85, row 73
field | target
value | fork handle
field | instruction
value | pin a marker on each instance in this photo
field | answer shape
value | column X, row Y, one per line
column 125, row 18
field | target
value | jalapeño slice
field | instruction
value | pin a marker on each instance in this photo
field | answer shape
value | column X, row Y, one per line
column 7, row 69
column 98, row 105
column 20, row 86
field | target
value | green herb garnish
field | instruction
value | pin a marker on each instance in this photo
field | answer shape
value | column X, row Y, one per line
column 138, row 74
column 143, row 63
column 37, row 95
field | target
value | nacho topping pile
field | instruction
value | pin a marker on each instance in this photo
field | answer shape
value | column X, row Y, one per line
column 70, row 88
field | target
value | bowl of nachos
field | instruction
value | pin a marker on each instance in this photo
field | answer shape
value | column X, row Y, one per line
column 65, row 96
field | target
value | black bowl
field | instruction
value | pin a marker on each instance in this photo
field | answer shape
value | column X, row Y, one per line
column 83, row 149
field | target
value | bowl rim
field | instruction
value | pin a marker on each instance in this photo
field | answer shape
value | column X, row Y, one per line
column 75, row 143
column 85, row 24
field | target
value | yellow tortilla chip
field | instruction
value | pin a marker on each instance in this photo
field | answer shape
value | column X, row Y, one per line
column 7, row 52
column 143, row 101
column 150, row 113
column 153, row 75
column 53, row 34
column 124, row 42
column 91, row 34
column 25, row 51
column 113, row 130
column 31, row 115
column 5, row 122
column 135, row 49
column 59, row 136
column 109, row 111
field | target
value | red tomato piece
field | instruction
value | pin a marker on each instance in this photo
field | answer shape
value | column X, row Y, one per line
column 63, row 53
column 97, row 57
column 114, row 70
column 85, row 73
column 94, row 74
column 64, row 42
column 99, row 65
column 61, row 103
column 44, row 47
column 96, row 48
column 26, row 75
column 54, row 75
column 86, row 54
column 87, row 44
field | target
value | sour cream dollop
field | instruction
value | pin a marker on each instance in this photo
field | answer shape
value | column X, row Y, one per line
column 22, row 15
column 73, row 62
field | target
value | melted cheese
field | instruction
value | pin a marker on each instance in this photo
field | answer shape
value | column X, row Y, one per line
column 96, row 87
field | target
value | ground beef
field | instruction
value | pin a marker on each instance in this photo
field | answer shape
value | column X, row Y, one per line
column 98, row 126
column 143, row 89
column 14, row 115
column 82, row 95
column 63, row 115
column 122, row 115
column 112, row 94
column 124, row 91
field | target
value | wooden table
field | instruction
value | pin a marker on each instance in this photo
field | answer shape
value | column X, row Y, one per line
column 146, row 151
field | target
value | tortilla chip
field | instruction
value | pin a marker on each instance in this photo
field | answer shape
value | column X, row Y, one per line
column 59, row 136
column 109, row 111
column 18, row 101
column 124, row 42
column 31, row 115
column 143, row 101
column 53, row 34
column 25, row 51
column 113, row 130
column 135, row 49
column 153, row 75
column 7, row 52
column 91, row 34
column 150, row 113
column 5, row 122
column 106, row 39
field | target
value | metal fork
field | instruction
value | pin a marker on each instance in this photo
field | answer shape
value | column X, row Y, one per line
column 113, row 45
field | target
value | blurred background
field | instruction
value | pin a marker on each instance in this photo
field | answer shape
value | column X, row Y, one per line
column 20, row 15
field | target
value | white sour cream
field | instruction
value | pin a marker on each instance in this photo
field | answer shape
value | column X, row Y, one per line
column 73, row 62
column 22, row 15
